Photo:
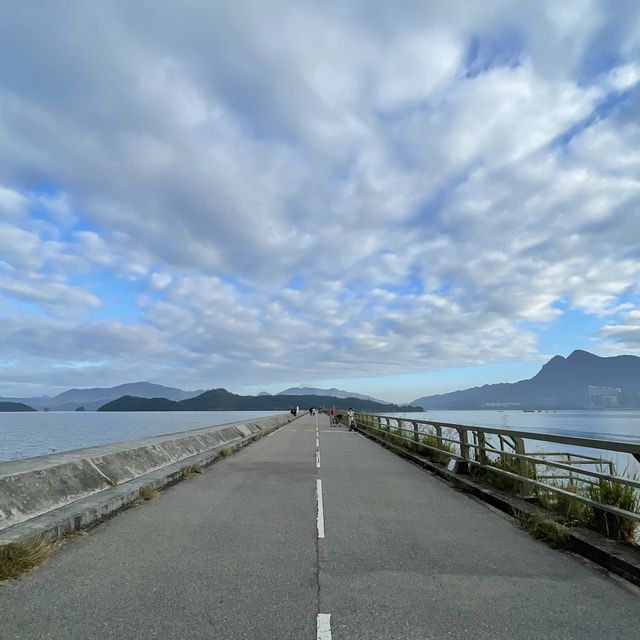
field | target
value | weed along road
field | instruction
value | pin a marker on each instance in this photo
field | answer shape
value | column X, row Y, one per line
column 314, row 532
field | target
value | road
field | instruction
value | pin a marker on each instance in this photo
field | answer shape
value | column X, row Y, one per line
column 243, row 551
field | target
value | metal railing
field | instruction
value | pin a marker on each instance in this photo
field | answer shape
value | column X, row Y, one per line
column 503, row 452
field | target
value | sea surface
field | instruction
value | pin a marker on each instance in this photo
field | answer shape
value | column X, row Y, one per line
column 28, row 434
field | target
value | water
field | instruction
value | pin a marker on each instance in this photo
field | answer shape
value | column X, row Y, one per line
column 620, row 425
column 23, row 435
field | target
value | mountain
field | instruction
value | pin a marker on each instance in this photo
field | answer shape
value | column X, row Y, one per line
column 582, row 380
column 93, row 398
column 15, row 406
column 223, row 400
column 333, row 393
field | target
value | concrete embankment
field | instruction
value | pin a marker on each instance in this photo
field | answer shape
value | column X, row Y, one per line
column 54, row 494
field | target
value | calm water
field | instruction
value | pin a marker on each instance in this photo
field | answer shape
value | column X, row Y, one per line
column 23, row 435
column 621, row 425
column 605, row 425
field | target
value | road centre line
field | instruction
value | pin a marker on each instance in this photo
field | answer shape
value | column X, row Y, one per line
column 323, row 626
column 320, row 519
column 317, row 459
column 317, row 443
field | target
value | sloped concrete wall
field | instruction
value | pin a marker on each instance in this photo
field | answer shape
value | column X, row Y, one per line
column 36, row 486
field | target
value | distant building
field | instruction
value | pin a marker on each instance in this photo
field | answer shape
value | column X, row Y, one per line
column 603, row 396
column 501, row 404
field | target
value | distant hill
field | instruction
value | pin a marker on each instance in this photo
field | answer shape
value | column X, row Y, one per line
column 15, row 406
column 223, row 400
column 582, row 380
column 131, row 403
column 92, row 399
column 333, row 393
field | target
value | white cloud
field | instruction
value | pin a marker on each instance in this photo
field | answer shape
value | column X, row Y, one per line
column 624, row 77
column 314, row 190
column 12, row 203
column 623, row 335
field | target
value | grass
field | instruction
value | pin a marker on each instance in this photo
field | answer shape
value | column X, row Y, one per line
column 17, row 558
column 616, row 495
column 555, row 534
column 405, row 438
column 505, row 462
column 147, row 493
column 445, row 449
column 604, row 491
column 574, row 512
column 191, row 471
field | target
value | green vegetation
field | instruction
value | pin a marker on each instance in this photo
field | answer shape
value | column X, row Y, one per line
column 445, row 452
column 618, row 495
column 406, row 438
column 555, row 534
column 17, row 558
column 223, row 400
column 504, row 462
column 574, row 513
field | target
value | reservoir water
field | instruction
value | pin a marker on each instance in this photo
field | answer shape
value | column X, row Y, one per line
column 24, row 435
column 615, row 424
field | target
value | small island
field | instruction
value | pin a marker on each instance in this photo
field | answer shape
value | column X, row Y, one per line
column 15, row 406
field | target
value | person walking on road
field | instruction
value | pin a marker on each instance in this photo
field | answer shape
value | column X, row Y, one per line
column 351, row 419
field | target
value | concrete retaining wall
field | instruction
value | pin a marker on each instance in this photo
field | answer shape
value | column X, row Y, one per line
column 37, row 494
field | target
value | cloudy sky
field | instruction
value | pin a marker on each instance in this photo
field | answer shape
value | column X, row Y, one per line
column 397, row 198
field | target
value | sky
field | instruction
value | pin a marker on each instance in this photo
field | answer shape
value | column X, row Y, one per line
column 392, row 198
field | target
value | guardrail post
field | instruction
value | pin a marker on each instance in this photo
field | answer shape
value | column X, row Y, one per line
column 523, row 467
column 416, row 432
column 482, row 456
column 464, row 449
column 438, row 429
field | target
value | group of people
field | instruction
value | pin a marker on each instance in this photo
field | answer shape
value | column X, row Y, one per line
column 334, row 418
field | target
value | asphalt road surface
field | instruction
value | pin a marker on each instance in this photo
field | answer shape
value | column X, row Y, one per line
column 315, row 534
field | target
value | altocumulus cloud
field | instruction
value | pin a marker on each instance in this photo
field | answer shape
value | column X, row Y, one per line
column 259, row 192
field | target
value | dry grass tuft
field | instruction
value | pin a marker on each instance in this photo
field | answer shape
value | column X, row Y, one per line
column 556, row 535
column 191, row 471
column 17, row 558
column 226, row 452
column 147, row 493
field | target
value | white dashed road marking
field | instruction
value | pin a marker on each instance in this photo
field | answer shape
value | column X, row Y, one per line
column 320, row 509
column 324, row 626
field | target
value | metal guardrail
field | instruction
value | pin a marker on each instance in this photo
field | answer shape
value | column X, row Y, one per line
column 484, row 447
